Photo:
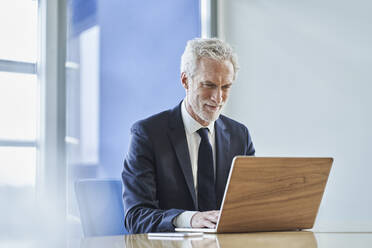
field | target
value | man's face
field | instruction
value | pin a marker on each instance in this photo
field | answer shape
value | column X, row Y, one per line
column 208, row 90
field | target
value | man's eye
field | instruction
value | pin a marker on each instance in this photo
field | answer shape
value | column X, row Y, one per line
column 209, row 85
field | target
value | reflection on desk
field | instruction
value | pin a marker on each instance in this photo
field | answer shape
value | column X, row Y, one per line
column 257, row 240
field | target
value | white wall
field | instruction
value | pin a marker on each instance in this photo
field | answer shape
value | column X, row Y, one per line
column 304, row 90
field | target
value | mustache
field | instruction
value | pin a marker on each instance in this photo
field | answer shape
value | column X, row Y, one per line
column 214, row 104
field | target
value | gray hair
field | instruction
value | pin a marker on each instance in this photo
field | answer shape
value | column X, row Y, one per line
column 212, row 48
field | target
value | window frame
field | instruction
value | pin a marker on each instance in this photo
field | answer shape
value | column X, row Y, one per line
column 51, row 169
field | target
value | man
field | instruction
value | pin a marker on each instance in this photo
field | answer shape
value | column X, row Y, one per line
column 178, row 162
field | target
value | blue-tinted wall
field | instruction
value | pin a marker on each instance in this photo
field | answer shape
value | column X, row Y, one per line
column 140, row 49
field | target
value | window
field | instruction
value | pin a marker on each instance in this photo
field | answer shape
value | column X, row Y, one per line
column 32, row 116
column 18, row 92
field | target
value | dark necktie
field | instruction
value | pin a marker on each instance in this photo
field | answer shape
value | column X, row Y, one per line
column 206, row 186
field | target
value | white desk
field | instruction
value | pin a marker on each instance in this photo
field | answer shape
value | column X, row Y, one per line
column 255, row 240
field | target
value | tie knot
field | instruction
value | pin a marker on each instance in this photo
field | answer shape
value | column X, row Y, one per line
column 203, row 132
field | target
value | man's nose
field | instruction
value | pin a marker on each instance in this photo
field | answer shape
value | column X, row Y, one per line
column 217, row 95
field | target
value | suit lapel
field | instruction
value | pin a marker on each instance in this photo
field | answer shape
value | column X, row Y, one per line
column 222, row 163
column 178, row 137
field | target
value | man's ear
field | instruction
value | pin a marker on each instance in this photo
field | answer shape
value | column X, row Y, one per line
column 184, row 80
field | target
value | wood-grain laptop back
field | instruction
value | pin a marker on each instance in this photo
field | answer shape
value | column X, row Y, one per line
column 272, row 194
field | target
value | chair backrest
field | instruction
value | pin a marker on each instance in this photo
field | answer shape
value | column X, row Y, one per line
column 101, row 207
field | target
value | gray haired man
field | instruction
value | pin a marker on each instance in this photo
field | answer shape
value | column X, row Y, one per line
column 178, row 162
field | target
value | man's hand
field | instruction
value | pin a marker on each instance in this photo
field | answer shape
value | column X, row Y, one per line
column 205, row 219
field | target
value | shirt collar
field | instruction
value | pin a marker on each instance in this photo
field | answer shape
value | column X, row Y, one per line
column 191, row 125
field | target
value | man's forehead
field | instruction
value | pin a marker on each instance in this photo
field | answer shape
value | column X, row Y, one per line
column 207, row 64
column 215, row 68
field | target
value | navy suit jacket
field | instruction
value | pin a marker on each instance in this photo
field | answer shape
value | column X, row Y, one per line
column 157, row 176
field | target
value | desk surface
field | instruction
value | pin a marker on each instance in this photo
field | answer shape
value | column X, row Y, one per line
column 302, row 239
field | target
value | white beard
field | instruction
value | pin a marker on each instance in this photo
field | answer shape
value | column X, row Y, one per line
column 207, row 117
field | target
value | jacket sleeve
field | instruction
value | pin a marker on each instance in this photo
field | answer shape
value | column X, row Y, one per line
column 250, row 150
column 141, row 206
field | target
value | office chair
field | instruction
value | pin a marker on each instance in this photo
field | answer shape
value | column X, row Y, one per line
column 101, row 207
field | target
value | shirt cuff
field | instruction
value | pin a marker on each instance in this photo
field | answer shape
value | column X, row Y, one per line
column 184, row 219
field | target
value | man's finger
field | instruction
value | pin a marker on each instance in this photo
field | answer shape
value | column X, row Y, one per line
column 211, row 217
column 214, row 212
column 205, row 219
column 208, row 224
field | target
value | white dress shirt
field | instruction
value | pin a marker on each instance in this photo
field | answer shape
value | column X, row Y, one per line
column 193, row 142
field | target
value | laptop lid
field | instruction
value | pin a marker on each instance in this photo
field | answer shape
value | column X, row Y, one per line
column 273, row 193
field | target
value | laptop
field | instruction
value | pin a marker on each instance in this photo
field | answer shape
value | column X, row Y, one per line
column 271, row 194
